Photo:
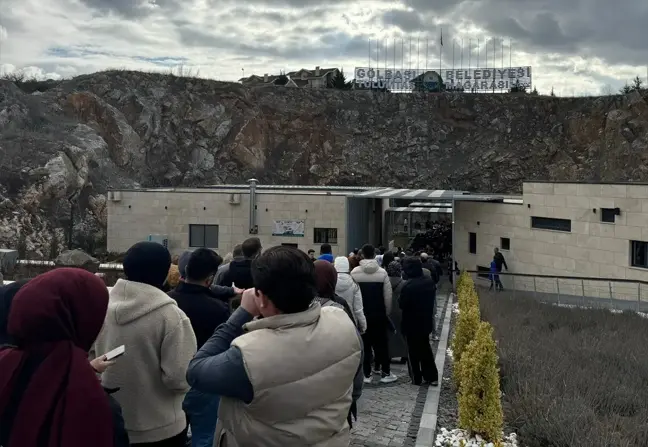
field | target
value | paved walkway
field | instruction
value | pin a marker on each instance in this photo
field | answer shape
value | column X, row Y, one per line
column 389, row 415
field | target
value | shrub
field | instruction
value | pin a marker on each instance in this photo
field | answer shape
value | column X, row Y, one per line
column 570, row 377
column 480, row 408
column 467, row 324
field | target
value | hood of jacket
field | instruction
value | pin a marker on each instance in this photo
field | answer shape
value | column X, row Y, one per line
column 130, row 300
column 344, row 282
column 369, row 266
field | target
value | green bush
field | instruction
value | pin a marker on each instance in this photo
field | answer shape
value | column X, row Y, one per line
column 480, row 408
column 466, row 328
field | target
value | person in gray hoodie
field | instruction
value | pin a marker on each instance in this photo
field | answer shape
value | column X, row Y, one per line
column 377, row 302
column 159, row 343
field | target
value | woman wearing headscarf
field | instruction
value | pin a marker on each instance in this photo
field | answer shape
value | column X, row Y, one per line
column 325, row 280
column 49, row 392
column 397, row 345
column 160, row 343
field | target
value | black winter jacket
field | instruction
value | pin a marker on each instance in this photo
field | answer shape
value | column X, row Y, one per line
column 417, row 301
column 205, row 309
column 239, row 272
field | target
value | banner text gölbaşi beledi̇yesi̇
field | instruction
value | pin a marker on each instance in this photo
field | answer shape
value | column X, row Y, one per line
column 469, row 79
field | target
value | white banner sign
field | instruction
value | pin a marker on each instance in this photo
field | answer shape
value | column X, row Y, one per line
column 487, row 78
column 481, row 79
column 289, row 228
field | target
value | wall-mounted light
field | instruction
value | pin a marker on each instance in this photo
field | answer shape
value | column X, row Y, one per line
column 204, row 208
column 594, row 210
column 478, row 223
column 166, row 207
column 617, row 211
column 528, row 205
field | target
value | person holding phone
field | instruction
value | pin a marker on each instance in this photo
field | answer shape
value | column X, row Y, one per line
column 159, row 341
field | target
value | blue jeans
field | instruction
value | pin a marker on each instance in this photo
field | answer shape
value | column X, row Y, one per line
column 202, row 412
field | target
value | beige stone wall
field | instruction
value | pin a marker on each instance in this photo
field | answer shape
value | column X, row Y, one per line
column 591, row 249
column 147, row 215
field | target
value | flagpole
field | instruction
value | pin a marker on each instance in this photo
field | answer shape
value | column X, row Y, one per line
column 454, row 42
column 469, row 53
column 427, row 50
column 418, row 53
column 461, row 56
column 478, row 48
column 369, row 53
column 440, row 60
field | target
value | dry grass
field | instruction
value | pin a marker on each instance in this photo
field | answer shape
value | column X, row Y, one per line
column 571, row 377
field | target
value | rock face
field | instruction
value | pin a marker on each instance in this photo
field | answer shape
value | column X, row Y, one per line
column 62, row 149
column 77, row 258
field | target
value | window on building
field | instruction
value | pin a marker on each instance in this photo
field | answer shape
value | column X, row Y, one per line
column 549, row 223
column 291, row 245
column 472, row 243
column 505, row 243
column 203, row 236
column 325, row 236
column 639, row 252
column 607, row 215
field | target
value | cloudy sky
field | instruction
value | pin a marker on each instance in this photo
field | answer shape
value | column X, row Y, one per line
column 575, row 46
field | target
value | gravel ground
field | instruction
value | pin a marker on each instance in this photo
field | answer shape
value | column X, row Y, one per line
column 447, row 414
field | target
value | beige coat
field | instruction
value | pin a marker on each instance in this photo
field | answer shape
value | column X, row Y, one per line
column 301, row 367
column 150, row 376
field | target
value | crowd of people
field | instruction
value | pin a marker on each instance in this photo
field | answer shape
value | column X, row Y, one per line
column 265, row 347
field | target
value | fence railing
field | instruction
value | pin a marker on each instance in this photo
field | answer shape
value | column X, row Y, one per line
column 609, row 293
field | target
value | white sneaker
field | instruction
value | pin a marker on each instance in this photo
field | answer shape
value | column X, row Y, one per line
column 389, row 379
column 368, row 379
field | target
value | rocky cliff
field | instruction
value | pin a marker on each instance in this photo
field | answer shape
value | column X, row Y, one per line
column 63, row 148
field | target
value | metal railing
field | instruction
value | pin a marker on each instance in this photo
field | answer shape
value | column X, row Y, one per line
column 610, row 293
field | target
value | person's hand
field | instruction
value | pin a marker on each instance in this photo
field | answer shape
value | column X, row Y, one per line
column 100, row 364
column 238, row 291
column 248, row 302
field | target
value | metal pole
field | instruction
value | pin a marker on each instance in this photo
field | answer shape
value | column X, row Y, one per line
column 610, row 289
column 535, row 293
column 638, row 295
column 454, row 259
column 558, row 289
column 583, row 291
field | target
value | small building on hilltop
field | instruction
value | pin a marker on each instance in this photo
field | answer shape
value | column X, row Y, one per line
column 304, row 78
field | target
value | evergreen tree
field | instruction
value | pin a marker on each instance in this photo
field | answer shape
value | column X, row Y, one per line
column 339, row 82
column 552, row 92
column 637, row 83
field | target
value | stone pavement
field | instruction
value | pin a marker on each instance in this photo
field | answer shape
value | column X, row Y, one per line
column 389, row 415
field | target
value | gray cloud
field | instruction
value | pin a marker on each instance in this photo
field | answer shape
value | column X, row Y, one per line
column 407, row 21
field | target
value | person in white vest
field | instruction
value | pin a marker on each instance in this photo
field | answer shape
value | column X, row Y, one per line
column 283, row 365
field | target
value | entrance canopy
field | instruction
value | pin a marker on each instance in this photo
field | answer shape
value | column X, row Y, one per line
column 423, row 194
column 411, row 209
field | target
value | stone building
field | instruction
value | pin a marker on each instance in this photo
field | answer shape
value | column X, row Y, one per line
column 552, row 229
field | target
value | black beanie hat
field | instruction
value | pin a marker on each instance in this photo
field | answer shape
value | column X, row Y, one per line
column 148, row 263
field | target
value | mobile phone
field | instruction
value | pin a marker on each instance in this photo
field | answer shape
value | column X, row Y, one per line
column 117, row 352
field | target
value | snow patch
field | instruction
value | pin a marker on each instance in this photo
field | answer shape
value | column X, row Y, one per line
column 457, row 438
